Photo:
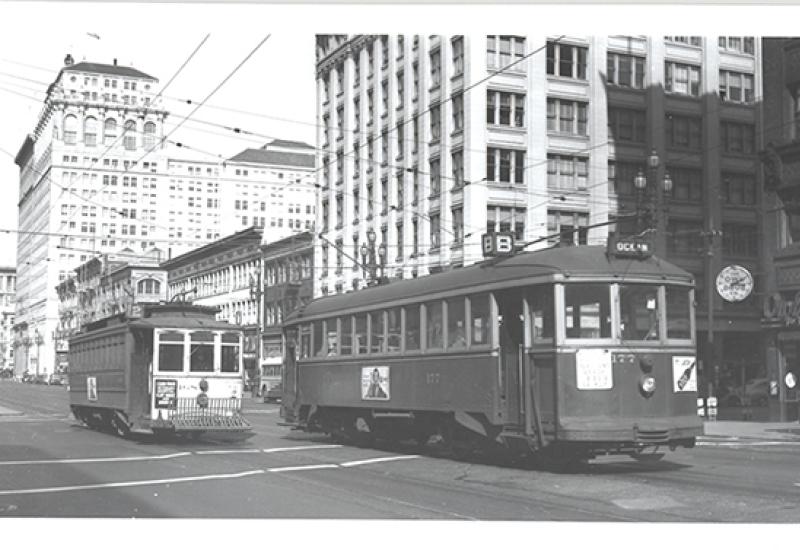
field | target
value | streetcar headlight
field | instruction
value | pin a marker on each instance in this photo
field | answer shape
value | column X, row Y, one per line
column 647, row 385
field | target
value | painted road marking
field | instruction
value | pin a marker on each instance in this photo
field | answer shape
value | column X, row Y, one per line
column 300, row 448
column 646, row 503
column 376, row 460
column 118, row 484
column 259, row 411
column 745, row 443
column 227, row 451
column 306, row 467
column 86, row 460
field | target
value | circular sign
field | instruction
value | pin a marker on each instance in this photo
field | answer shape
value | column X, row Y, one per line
column 202, row 400
column 791, row 380
column 734, row 283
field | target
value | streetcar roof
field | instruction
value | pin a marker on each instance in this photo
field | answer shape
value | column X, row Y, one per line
column 548, row 264
column 173, row 315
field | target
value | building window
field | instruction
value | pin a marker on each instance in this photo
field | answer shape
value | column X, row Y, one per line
column 566, row 116
column 130, row 135
column 436, row 177
column 458, row 112
column 687, row 183
column 625, row 70
column 149, row 135
column 370, row 202
column 400, row 89
column 739, row 189
column 90, row 131
column 70, row 130
column 567, row 172
column 436, row 69
column 505, row 108
column 737, row 137
column 626, row 125
column 415, row 74
column 340, row 124
column 506, row 220
column 739, row 240
column 436, row 122
column 415, row 236
column 621, row 176
column 384, row 98
column 502, row 51
column 682, row 79
column 738, row 44
column 400, row 252
column 325, row 213
column 735, row 87
column 400, row 191
column 458, row 169
column 384, row 195
column 148, row 286
column 458, row 55
column 339, row 211
column 457, row 215
column 566, row 60
column 505, row 165
column 691, row 40
column 356, row 204
column 570, row 227
column 435, row 229
column 683, row 131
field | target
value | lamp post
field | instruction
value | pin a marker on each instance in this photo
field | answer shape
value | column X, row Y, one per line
column 372, row 260
column 656, row 205
column 38, row 340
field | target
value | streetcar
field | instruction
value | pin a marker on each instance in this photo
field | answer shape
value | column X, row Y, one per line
column 172, row 369
column 565, row 353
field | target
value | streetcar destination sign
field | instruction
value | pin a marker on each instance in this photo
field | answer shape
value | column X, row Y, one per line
column 630, row 247
column 498, row 244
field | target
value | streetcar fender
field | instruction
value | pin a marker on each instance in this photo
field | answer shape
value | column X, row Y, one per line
column 470, row 422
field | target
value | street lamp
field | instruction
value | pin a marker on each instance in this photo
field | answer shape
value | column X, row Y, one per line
column 656, row 206
column 39, row 340
column 372, row 260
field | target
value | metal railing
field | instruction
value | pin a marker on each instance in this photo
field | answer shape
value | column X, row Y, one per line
column 216, row 413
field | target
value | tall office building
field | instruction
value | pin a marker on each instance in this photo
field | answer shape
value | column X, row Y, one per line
column 98, row 176
column 431, row 141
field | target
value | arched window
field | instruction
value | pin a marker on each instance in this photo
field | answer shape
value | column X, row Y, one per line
column 110, row 131
column 70, row 129
column 130, row 135
column 149, row 135
column 90, row 131
column 148, row 286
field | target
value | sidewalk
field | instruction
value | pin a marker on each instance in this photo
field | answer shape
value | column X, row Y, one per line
column 753, row 430
column 8, row 412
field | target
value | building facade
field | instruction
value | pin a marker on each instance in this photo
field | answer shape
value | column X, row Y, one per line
column 8, row 281
column 781, row 238
column 431, row 141
column 97, row 175
column 288, row 280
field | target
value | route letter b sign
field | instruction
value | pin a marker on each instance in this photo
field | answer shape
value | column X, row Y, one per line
column 498, row 244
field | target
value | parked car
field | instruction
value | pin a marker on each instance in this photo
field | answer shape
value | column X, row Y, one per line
column 58, row 379
column 27, row 378
column 274, row 394
column 40, row 379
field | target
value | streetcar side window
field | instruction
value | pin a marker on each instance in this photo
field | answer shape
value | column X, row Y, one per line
column 360, row 344
column 201, row 351
column 170, row 351
column 542, row 313
column 305, row 341
column 377, row 338
column 347, row 335
column 229, row 355
column 435, row 325
column 393, row 330
column 679, row 317
column 319, row 343
column 331, row 338
column 479, row 312
column 456, row 330
column 587, row 311
column 639, row 312
column 412, row 327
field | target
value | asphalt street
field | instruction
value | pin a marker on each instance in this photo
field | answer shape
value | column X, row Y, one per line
column 51, row 466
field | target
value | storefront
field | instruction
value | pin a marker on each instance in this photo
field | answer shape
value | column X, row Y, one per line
column 781, row 325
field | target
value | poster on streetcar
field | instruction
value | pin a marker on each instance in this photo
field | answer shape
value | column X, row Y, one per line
column 91, row 388
column 375, row 383
column 684, row 373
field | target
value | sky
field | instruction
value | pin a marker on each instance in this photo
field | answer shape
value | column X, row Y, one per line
column 274, row 91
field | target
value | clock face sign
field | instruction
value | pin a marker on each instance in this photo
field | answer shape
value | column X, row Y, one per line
column 734, row 283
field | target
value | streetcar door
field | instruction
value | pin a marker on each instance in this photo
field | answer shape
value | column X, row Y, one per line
column 510, row 322
column 289, row 370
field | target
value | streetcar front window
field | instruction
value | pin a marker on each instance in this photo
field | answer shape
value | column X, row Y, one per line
column 679, row 317
column 587, row 311
column 639, row 312
column 229, row 356
column 479, row 311
column 170, row 351
column 542, row 313
column 201, row 354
